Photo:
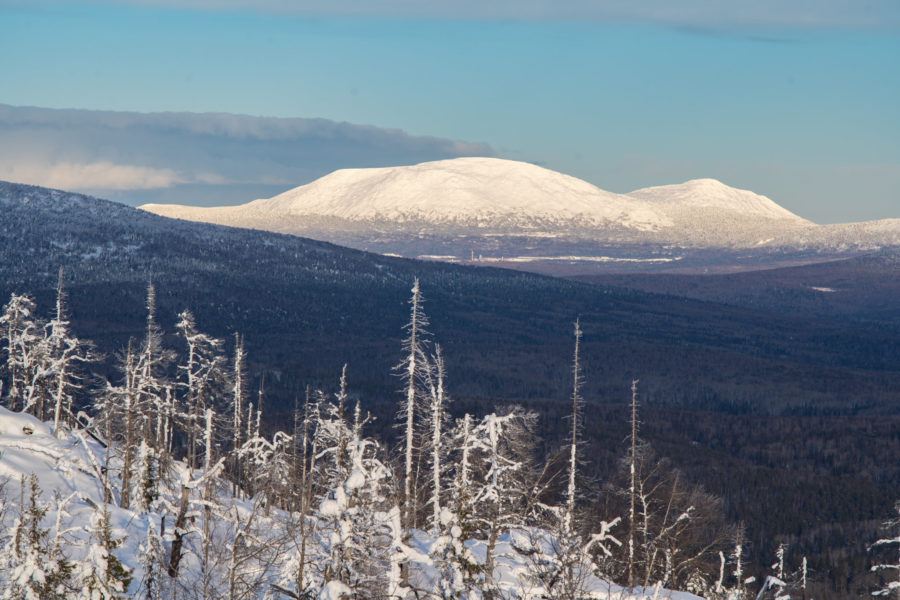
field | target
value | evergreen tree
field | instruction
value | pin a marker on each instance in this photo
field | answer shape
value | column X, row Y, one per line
column 152, row 561
column 202, row 379
column 36, row 567
column 504, row 447
column 26, row 355
column 458, row 569
column 101, row 575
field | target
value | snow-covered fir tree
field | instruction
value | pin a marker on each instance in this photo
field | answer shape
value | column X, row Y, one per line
column 100, row 575
column 23, row 351
column 35, row 564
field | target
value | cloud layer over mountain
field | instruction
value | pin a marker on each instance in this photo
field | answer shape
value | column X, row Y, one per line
column 217, row 158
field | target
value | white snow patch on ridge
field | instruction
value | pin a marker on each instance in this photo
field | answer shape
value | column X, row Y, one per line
column 602, row 259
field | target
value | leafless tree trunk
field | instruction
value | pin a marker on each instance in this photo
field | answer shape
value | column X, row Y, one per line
column 178, row 541
column 632, row 488
column 573, row 450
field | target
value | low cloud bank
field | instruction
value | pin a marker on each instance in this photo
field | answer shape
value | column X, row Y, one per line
column 189, row 157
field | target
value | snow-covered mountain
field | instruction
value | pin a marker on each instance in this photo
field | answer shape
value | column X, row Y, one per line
column 490, row 194
column 504, row 210
column 468, row 193
column 476, row 192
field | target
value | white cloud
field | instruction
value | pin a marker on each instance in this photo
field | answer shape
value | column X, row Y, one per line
column 91, row 176
column 192, row 154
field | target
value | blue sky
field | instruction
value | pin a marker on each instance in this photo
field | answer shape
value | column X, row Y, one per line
column 794, row 100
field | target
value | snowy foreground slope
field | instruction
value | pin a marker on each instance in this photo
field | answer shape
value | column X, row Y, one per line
column 69, row 471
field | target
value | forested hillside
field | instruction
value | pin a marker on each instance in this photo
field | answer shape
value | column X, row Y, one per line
column 865, row 288
column 790, row 420
column 167, row 485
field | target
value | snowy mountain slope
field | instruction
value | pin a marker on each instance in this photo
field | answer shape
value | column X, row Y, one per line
column 472, row 196
column 708, row 213
column 525, row 216
column 68, row 473
column 868, row 235
column 28, row 446
column 700, row 207
column 710, row 193
column 481, row 193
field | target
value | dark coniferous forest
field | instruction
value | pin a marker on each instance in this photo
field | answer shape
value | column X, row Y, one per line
column 780, row 427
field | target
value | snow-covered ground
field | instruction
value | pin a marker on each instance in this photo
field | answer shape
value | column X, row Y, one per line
column 69, row 470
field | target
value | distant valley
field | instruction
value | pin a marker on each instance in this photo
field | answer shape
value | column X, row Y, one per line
column 863, row 288
column 488, row 211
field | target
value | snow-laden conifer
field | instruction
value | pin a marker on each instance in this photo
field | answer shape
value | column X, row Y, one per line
column 503, row 449
column 632, row 487
column 152, row 555
column 22, row 336
column 237, row 407
column 573, row 443
column 437, row 414
column 42, row 359
column 100, row 575
column 35, row 566
column 151, row 385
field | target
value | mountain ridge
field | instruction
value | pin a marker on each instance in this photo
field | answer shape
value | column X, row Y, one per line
column 466, row 191
column 524, row 216
column 462, row 188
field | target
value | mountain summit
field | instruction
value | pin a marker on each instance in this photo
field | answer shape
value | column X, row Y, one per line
column 470, row 192
column 711, row 193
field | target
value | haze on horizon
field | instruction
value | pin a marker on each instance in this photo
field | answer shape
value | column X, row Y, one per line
column 796, row 102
